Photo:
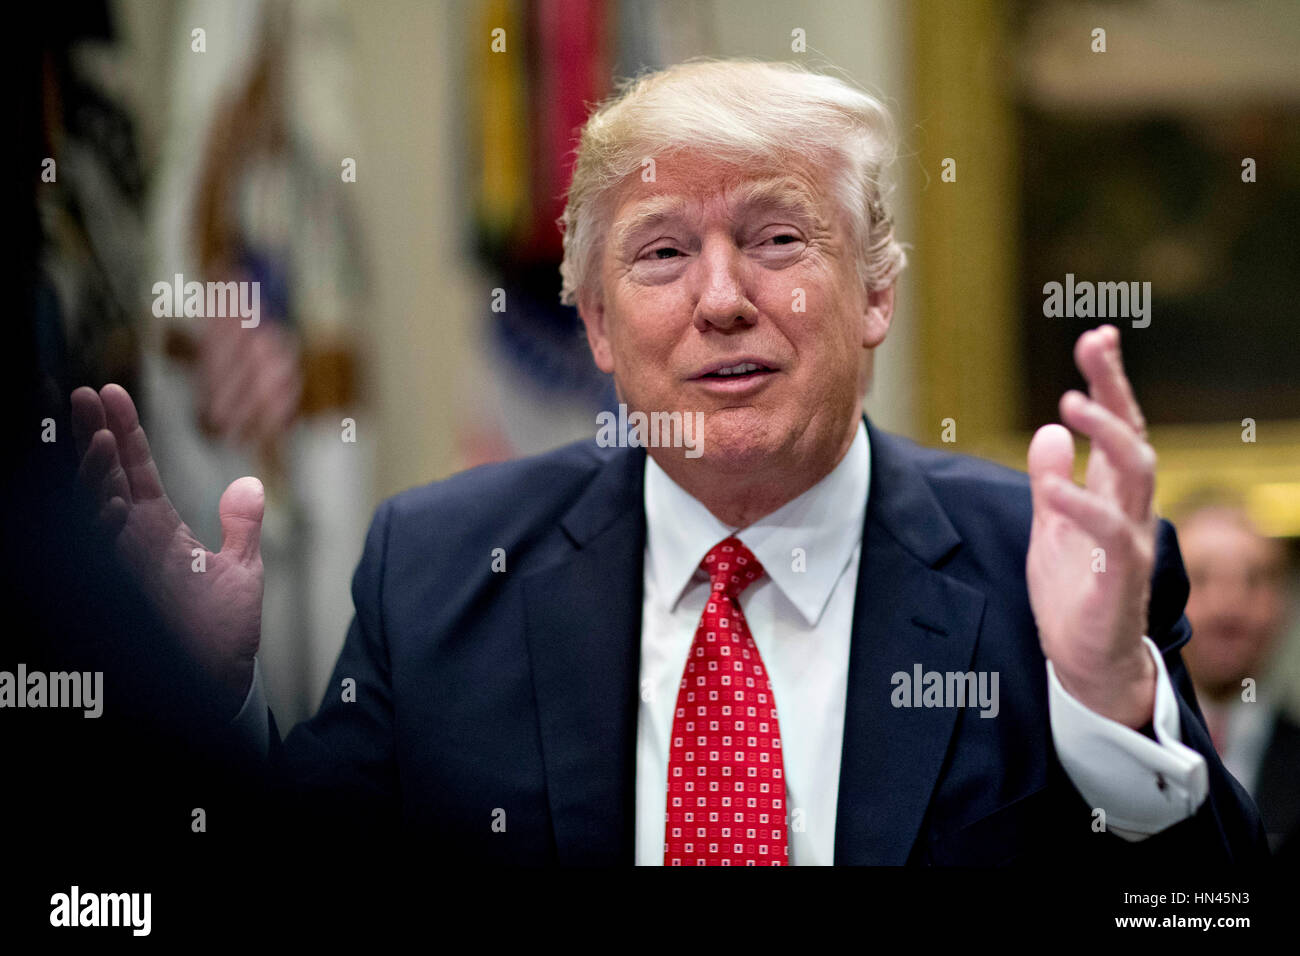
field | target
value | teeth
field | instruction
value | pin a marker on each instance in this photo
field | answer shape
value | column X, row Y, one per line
column 738, row 369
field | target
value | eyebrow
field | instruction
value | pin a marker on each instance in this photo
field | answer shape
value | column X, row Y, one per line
column 645, row 215
column 783, row 193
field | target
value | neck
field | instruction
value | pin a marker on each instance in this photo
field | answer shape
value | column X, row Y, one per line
column 738, row 498
column 1220, row 697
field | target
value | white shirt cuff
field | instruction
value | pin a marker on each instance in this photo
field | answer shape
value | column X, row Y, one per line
column 252, row 722
column 1143, row 786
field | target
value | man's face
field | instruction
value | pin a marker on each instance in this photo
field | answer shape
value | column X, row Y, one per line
column 710, row 269
column 1236, row 604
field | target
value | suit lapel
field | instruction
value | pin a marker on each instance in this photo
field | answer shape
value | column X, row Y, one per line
column 905, row 613
column 583, row 626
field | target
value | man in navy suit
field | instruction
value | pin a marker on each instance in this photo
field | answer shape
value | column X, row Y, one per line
column 577, row 658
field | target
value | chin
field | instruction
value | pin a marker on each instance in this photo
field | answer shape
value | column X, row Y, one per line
column 739, row 439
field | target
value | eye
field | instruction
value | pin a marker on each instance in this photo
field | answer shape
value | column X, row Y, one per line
column 781, row 239
column 660, row 253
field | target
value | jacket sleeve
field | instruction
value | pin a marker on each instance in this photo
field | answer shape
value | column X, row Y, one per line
column 339, row 767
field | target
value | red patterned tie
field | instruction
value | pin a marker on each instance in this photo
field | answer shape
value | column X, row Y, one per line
column 726, row 783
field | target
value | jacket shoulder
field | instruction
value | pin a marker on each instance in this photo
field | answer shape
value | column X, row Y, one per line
column 539, row 488
column 974, row 492
column 948, row 467
column 515, row 505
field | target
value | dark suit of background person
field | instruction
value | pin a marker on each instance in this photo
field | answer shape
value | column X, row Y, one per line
column 1277, row 788
column 103, row 801
column 479, row 692
column 1238, row 608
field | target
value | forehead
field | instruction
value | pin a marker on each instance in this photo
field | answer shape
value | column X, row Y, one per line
column 1221, row 536
column 683, row 188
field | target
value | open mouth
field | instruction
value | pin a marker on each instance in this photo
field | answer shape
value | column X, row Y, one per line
column 745, row 370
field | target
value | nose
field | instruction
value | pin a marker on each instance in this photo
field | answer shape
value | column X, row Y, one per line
column 722, row 302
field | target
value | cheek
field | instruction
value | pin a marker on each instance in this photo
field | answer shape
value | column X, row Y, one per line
column 641, row 341
column 650, row 322
column 816, row 285
column 823, row 329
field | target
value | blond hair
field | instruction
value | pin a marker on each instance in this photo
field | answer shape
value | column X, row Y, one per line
column 743, row 112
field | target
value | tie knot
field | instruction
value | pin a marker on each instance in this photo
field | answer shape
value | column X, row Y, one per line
column 731, row 566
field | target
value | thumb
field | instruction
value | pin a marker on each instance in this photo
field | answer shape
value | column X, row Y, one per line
column 1051, row 452
column 241, row 509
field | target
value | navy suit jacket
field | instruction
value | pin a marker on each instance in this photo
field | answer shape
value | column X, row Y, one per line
column 495, row 712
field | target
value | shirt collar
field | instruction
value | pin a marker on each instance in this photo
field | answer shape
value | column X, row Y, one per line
column 825, row 522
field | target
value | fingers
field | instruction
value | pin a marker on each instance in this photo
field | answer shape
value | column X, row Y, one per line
column 217, row 360
column 101, row 472
column 1051, row 454
column 100, row 469
column 282, row 408
column 270, row 400
column 241, row 508
column 1051, row 463
column 87, row 418
column 275, row 404
column 251, row 383
column 1096, row 515
column 133, row 446
column 1098, row 356
column 1132, row 458
column 234, row 374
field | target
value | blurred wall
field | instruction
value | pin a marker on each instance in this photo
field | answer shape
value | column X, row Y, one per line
column 427, row 288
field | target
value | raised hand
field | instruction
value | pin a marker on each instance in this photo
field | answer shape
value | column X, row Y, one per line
column 217, row 611
column 1091, row 621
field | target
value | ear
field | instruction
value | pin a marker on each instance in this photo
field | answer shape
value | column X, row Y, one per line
column 591, row 309
column 876, row 318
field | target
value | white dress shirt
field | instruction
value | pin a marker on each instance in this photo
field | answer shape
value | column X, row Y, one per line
column 1247, row 732
column 802, row 622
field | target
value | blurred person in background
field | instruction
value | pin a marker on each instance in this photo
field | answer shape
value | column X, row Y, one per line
column 1238, row 610
column 107, row 792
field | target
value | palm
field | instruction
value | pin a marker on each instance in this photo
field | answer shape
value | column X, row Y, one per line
column 216, row 608
column 1079, row 600
column 211, row 600
column 1091, row 549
